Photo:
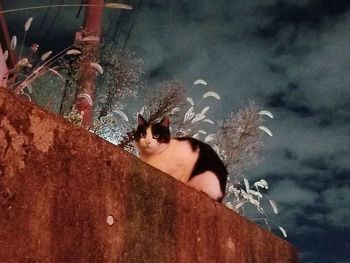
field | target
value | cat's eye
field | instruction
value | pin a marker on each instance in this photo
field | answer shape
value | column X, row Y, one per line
column 143, row 135
column 156, row 136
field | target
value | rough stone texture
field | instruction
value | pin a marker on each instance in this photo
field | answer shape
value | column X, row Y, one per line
column 68, row 196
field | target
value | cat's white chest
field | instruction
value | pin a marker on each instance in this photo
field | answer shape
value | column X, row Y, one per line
column 177, row 160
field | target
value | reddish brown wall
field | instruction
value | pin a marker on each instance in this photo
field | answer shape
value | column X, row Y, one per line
column 59, row 183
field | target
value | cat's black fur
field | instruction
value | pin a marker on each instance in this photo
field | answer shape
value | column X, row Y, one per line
column 208, row 160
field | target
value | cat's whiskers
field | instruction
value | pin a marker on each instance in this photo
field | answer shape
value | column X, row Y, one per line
column 154, row 149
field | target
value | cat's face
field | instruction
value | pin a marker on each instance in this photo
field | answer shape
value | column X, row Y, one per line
column 151, row 137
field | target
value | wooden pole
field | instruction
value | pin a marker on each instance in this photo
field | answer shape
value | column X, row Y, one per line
column 5, row 41
column 87, row 81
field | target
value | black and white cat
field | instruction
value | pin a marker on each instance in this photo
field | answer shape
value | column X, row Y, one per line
column 186, row 159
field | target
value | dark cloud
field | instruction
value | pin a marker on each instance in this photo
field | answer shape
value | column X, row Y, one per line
column 328, row 250
column 311, row 14
column 286, row 100
column 320, row 163
column 287, row 191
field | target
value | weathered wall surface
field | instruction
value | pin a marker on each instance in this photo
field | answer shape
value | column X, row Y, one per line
column 60, row 183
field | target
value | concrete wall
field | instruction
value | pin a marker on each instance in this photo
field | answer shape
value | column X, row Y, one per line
column 68, row 196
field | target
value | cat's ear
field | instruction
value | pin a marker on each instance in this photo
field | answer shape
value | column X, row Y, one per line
column 140, row 119
column 165, row 122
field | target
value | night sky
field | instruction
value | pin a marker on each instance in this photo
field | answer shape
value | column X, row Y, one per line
column 292, row 57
